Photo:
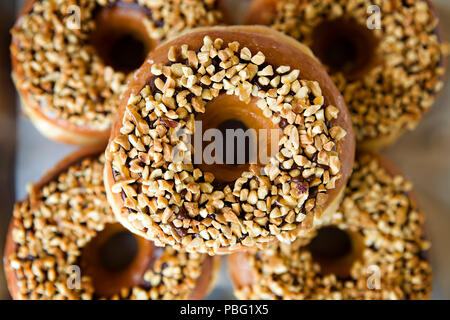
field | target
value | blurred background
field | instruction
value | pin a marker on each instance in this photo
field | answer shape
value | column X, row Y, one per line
column 423, row 155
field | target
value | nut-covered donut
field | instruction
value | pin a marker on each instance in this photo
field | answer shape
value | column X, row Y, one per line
column 214, row 75
column 57, row 245
column 385, row 56
column 373, row 247
column 72, row 58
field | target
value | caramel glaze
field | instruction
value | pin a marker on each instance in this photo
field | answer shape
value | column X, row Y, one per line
column 111, row 24
column 341, row 266
column 228, row 107
column 262, row 12
column 278, row 49
column 242, row 275
column 108, row 283
column 63, row 131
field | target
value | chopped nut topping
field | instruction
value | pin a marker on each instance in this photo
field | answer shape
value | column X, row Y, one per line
column 376, row 207
column 61, row 69
column 394, row 94
column 239, row 214
column 57, row 221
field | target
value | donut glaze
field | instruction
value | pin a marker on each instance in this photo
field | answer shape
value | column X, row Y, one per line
column 43, row 272
column 256, row 39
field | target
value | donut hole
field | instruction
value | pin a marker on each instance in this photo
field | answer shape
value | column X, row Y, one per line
column 126, row 53
column 335, row 250
column 118, row 252
column 116, row 259
column 236, row 145
column 245, row 142
column 120, row 37
column 345, row 46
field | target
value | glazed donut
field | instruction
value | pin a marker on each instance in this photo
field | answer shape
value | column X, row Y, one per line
column 213, row 76
column 385, row 56
column 373, row 247
column 72, row 58
column 64, row 243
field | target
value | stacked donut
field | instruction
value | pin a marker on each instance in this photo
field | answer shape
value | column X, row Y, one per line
column 55, row 245
column 72, row 59
column 373, row 247
column 292, row 218
column 385, row 57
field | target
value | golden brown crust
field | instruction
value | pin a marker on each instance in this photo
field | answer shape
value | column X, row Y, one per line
column 263, row 12
column 255, row 38
column 60, row 131
column 243, row 275
column 226, row 10
column 239, row 269
column 10, row 246
column 204, row 283
column 207, row 280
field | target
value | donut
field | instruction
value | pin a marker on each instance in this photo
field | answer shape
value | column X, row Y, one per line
column 385, row 56
column 64, row 243
column 72, row 59
column 373, row 247
column 160, row 182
